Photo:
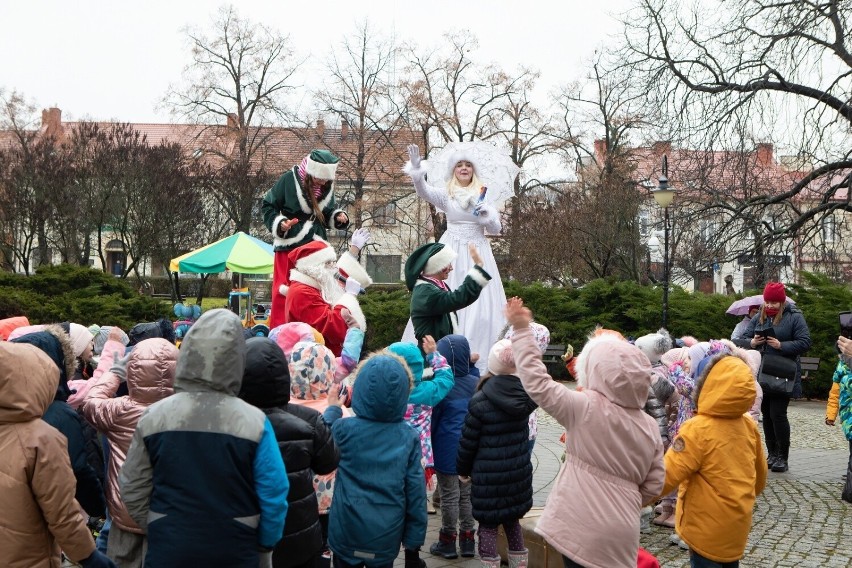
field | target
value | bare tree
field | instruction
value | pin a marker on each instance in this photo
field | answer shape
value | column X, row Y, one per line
column 236, row 84
column 726, row 73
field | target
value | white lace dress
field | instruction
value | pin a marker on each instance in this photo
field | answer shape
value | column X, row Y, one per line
column 482, row 321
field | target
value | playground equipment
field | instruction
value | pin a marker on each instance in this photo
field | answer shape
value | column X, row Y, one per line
column 239, row 302
column 187, row 314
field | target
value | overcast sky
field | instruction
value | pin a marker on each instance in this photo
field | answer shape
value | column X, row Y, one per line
column 115, row 60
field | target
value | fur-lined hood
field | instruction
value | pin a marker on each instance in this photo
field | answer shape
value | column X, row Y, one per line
column 383, row 383
column 725, row 387
column 54, row 341
column 616, row 369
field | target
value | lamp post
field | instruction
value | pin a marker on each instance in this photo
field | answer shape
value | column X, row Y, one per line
column 664, row 195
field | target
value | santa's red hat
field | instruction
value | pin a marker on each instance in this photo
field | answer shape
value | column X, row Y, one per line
column 315, row 253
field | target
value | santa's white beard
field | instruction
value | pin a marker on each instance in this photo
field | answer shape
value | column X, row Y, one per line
column 325, row 277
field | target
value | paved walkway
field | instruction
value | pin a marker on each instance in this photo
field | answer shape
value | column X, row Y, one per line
column 800, row 520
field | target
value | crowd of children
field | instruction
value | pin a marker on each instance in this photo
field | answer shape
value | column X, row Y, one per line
column 278, row 452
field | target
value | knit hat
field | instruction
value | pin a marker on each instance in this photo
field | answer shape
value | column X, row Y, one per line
column 349, row 267
column 654, row 345
column 314, row 253
column 102, row 334
column 289, row 334
column 81, row 338
column 430, row 258
column 774, row 292
column 462, row 154
column 501, row 360
column 322, row 164
column 540, row 333
column 311, row 370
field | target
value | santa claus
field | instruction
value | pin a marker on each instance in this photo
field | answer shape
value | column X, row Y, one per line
column 317, row 297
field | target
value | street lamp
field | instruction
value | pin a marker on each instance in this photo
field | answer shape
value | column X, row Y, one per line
column 664, row 195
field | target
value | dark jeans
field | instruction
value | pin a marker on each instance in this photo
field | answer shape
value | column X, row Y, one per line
column 698, row 561
column 776, row 427
column 570, row 563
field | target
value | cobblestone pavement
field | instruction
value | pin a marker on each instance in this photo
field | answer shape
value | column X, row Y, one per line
column 799, row 521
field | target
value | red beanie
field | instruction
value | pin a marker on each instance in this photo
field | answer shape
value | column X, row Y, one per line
column 774, row 292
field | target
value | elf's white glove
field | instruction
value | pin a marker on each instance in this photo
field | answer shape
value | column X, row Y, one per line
column 352, row 286
column 414, row 156
column 360, row 238
column 119, row 365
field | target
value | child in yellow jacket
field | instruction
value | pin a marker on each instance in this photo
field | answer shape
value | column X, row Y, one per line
column 718, row 464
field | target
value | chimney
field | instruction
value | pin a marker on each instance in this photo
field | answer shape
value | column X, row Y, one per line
column 344, row 129
column 51, row 121
column 764, row 153
column 600, row 151
column 233, row 121
column 320, row 128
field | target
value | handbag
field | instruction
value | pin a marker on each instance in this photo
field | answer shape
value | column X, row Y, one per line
column 777, row 374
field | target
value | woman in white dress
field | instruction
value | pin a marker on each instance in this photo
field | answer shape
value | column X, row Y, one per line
column 470, row 210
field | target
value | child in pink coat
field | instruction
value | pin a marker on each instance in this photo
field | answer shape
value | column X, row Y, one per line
column 614, row 461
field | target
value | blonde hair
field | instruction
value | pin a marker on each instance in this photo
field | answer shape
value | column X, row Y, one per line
column 453, row 184
column 777, row 319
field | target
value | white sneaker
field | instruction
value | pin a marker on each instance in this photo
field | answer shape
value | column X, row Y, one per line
column 674, row 538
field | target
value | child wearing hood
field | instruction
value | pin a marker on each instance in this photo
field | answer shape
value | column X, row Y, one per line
column 40, row 515
column 380, row 492
column 424, row 396
column 447, row 420
column 717, row 463
column 306, row 446
column 614, row 454
column 149, row 373
column 494, row 455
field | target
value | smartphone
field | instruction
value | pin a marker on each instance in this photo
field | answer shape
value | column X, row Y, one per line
column 845, row 324
column 768, row 332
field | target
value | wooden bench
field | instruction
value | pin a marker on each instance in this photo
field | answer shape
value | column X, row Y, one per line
column 808, row 364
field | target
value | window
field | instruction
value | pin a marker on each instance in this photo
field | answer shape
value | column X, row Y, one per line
column 644, row 222
column 829, row 229
column 708, row 230
column 384, row 267
column 385, row 214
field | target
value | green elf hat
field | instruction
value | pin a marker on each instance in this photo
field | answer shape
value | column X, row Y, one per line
column 430, row 258
column 322, row 164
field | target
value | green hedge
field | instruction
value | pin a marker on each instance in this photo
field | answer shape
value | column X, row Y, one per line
column 79, row 294
column 634, row 310
column 84, row 295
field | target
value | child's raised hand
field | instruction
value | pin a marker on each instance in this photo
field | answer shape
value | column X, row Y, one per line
column 474, row 357
column 429, row 345
column 334, row 394
column 517, row 315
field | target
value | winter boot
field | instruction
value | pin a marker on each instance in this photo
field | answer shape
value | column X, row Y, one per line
column 645, row 519
column 518, row 558
column 467, row 544
column 446, row 545
column 780, row 465
column 490, row 562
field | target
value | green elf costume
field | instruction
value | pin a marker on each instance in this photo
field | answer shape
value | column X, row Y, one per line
column 433, row 304
column 304, row 198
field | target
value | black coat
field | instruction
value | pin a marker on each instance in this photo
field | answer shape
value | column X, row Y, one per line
column 494, row 450
column 306, row 446
column 793, row 333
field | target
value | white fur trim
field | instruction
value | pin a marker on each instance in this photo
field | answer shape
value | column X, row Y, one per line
column 582, row 358
column 353, row 269
column 289, row 241
column 325, row 254
column 296, row 276
column 323, row 203
column 321, row 171
column 478, row 277
column 439, row 261
column 300, row 192
column 415, row 172
column 334, row 213
column 458, row 156
column 275, row 223
column 350, row 302
column 283, row 289
column 455, row 321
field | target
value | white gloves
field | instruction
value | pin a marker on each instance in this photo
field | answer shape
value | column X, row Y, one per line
column 119, row 365
column 360, row 238
column 414, row 155
column 352, row 286
column 485, row 212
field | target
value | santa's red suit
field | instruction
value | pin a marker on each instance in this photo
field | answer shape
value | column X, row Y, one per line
column 305, row 302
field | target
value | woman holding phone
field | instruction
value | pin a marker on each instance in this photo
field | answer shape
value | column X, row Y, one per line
column 779, row 328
